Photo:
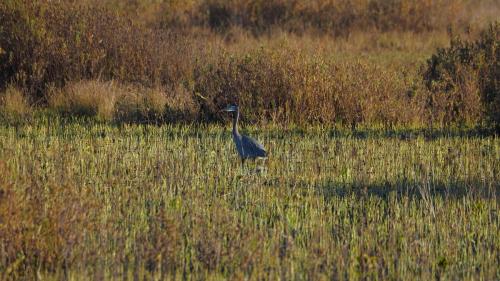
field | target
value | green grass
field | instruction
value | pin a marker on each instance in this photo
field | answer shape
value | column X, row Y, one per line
column 100, row 201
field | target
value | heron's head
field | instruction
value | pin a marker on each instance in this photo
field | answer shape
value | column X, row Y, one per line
column 231, row 108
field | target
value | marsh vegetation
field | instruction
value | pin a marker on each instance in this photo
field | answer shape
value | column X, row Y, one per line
column 381, row 120
column 94, row 201
column 391, row 63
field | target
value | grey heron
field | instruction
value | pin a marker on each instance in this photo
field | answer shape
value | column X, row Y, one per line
column 247, row 147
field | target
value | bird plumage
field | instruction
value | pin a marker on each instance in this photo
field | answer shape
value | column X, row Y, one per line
column 253, row 148
column 247, row 147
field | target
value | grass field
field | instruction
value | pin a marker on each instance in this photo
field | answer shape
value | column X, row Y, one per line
column 381, row 119
column 83, row 200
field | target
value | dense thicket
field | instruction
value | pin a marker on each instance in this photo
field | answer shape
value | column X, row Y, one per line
column 464, row 78
column 333, row 17
column 148, row 62
column 50, row 43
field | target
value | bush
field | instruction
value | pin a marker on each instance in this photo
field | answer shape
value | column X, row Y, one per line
column 162, row 76
column 87, row 98
column 111, row 101
column 334, row 17
column 14, row 106
column 47, row 43
column 288, row 86
column 464, row 79
column 330, row 17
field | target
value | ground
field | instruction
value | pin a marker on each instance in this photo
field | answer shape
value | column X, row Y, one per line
column 87, row 200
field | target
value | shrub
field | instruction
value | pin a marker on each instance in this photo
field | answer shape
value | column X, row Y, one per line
column 463, row 79
column 87, row 98
column 47, row 43
column 334, row 17
column 111, row 101
column 142, row 105
column 14, row 106
column 331, row 17
column 258, row 80
column 288, row 86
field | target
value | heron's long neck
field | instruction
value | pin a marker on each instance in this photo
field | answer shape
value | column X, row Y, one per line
column 235, row 122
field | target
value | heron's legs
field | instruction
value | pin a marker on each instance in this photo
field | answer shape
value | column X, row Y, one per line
column 260, row 165
column 244, row 168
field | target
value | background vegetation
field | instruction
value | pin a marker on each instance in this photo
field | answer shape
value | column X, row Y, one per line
column 325, row 61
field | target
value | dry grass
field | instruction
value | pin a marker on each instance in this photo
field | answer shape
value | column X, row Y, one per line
column 87, row 98
column 14, row 106
column 288, row 86
column 104, row 202
column 333, row 17
column 188, row 59
column 84, row 200
column 112, row 102
column 141, row 104
column 183, row 106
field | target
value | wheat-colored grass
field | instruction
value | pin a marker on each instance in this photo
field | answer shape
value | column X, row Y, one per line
column 14, row 106
column 99, row 202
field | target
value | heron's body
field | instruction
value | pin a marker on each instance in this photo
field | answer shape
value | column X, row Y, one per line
column 247, row 147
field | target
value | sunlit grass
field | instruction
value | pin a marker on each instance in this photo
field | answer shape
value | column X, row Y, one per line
column 100, row 201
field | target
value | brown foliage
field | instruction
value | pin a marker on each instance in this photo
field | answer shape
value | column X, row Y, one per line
column 51, row 43
column 334, row 17
column 463, row 79
column 223, row 243
column 14, row 106
column 41, row 225
column 286, row 86
column 159, row 74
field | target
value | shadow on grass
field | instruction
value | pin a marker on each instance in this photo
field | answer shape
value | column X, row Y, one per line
column 404, row 134
column 61, row 124
column 449, row 190
column 428, row 134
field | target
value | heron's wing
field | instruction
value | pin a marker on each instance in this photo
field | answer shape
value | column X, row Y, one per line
column 252, row 148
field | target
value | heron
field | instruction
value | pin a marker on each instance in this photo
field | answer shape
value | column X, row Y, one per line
column 247, row 147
